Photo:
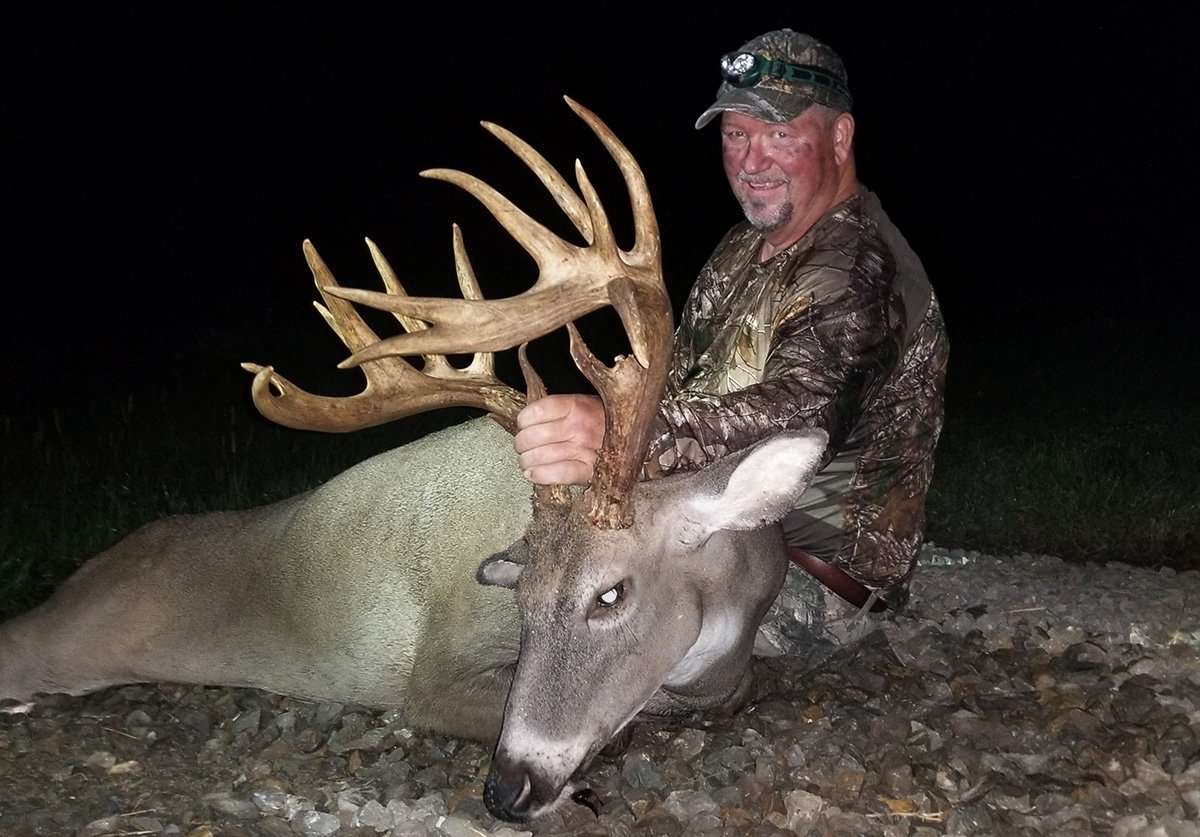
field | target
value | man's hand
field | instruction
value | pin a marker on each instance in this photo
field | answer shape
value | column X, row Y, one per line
column 557, row 438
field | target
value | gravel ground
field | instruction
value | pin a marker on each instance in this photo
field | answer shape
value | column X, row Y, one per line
column 1016, row 695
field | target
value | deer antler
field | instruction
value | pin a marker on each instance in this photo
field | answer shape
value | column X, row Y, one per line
column 394, row 388
column 572, row 281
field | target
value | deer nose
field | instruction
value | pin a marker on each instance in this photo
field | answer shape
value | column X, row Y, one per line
column 508, row 791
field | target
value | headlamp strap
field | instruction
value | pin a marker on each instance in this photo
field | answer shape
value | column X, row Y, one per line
column 746, row 69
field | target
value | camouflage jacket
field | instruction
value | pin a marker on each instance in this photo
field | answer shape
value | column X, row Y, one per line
column 840, row 331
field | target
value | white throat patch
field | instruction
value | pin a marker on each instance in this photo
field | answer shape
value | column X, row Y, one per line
column 717, row 637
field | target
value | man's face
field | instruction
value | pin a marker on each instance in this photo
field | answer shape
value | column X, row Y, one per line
column 785, row 175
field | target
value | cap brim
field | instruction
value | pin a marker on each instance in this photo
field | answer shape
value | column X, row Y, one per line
column 758, row 103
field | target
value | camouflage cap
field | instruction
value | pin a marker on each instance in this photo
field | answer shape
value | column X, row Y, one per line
column 818, row 76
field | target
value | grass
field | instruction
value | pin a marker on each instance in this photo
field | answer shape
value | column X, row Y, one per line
column 1123, row 485
column 1024, row 465
column 1081, row 441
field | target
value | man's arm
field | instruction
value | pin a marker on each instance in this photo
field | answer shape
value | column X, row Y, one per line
column 821, row 360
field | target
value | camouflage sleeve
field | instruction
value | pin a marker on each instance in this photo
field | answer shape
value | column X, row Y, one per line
column 823, row 354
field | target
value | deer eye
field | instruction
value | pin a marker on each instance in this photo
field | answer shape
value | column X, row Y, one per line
column 611, row 596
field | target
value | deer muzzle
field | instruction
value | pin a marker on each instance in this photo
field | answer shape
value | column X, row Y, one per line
column 511, row 792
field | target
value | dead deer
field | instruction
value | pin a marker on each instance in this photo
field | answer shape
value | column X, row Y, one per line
column 425, row 577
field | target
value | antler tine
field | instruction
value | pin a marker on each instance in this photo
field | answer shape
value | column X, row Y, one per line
column 482, row 362
column 392, row 283
column 338, row 314
column 602, row 235
column 394, row 389
column 554, row 182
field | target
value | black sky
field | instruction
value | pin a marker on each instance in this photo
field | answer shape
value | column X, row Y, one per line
column 163, row 168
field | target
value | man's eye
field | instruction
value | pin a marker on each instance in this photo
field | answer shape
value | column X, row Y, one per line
column 611, row 596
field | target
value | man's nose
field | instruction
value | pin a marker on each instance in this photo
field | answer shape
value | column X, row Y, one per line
column 756, row 159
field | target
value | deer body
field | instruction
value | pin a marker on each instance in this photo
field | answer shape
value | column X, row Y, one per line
column 361, row 590
column 365, row 590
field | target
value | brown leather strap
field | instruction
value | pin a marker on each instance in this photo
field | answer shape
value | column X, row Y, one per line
column 836, row 580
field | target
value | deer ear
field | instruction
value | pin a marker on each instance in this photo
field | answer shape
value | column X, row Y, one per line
column 754, row 488
column 504, row 568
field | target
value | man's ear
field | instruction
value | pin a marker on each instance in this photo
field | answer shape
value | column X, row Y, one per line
column 843, row 137
column 504, row 568
column 753, row 488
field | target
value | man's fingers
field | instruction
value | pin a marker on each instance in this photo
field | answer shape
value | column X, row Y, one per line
column 550, row 408
column 546, row 434
column 567, row 472
column 558, row 452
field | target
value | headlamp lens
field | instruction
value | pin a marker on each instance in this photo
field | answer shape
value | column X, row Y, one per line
column 742, row 69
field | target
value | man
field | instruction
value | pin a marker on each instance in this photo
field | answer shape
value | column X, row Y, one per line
column 813, row 312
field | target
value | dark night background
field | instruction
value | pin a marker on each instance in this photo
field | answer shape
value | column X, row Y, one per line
column 161, row 170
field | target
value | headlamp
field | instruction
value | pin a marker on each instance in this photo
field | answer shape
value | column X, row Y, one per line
column 745, row 69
